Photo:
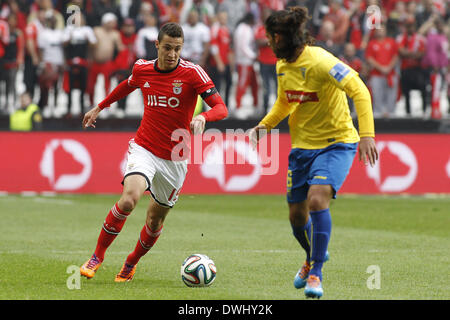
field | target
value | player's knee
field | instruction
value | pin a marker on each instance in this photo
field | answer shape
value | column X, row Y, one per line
column 128, row 202
column 298, row 216
column 155, row 224
column 317, row 202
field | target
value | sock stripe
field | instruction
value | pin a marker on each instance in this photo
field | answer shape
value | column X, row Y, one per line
column 307, row 238
column 143, row 245
column 117, row 213
column 153, row 233
column 109, row 231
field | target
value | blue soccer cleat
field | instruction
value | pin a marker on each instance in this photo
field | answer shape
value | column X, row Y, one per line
column 313, row 287
column 303, row 273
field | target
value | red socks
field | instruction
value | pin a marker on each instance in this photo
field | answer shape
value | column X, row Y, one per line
column 111, row 227
column 146, row 241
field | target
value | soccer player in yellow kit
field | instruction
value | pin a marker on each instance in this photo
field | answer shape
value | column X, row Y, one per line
column 312, row 89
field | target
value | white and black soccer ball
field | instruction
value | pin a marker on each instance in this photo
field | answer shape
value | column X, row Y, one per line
column 198, row 270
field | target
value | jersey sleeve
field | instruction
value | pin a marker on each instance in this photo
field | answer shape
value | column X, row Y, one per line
column 200, row 79
column 333, row 70
column 134, row 78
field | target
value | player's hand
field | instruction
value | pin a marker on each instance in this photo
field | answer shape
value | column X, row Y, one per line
column 198, row 124
column 90, row 118
column 368, row 151
column 255, row 134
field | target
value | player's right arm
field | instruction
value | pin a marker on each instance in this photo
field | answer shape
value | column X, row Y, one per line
column 121, row 91
column 279, row 111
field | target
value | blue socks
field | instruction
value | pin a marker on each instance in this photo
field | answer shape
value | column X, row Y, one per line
column 321, row 232
column 303, row 236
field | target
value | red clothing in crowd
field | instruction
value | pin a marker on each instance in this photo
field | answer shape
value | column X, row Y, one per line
column 382, row 51
column 220, row 40
column 415, row 43
column 266, row 54
column 4, row 36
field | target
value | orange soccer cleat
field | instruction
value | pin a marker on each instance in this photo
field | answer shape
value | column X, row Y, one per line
column 126, row 273
column 90, row 267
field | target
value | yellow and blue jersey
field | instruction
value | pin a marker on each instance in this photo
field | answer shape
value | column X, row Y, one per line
column 312, row 91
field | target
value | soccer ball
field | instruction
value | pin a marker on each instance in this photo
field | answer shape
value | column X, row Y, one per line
column 198, row 270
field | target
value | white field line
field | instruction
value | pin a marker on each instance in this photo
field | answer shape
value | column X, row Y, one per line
column 111, row 252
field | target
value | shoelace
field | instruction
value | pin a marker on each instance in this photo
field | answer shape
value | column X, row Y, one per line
column 125, row 271
column 305, row 270
column 92, row 263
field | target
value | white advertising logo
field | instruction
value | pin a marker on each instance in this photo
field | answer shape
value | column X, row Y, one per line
column 66, row 181
column 447, row 168
column 395, row 183
column 214, row 165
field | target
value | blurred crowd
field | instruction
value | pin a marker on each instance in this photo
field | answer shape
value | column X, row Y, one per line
column 57, row 47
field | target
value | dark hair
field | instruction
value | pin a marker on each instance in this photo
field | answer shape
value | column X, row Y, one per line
column 171, row 29
column 290, row 25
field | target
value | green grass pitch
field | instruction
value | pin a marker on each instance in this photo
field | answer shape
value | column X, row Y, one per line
column 407, row 239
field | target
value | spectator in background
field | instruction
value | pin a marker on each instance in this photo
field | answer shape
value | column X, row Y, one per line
column 175, row 10
column 396, row 19
column 326, row 39
column 338, row 15
column 146, row 38
column 196, row 40
column 128, row 8
column 350, row 57
column 47, row 6
column 245, row 53
column 12, row 60
column 78, row 38
column 435, row 58
column 267, row 62
column 205, row 10
column 411, row 48
column 13, row 7
column 235, row 9
column 99, row 9
column 355, row 33
column 108, row 43
column 50, row 43
column 4, row 40
column 221, row 57
column 27, row 117
column 382, row 57
column 32, row 57
column 125, row 60
column 428, row 9
column 159, row 10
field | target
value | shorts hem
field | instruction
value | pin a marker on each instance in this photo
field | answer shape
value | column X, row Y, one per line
column 159, row 202
column 140, row 174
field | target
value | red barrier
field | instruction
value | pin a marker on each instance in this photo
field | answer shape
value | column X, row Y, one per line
column 93, row 162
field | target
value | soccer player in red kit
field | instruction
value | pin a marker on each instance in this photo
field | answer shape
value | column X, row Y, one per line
column 170, row 87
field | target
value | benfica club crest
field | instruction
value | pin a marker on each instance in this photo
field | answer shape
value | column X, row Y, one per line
column 177, row 87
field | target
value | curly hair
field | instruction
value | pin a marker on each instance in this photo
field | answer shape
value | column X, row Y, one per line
column 290, row 25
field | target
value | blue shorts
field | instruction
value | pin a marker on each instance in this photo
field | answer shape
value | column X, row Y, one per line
column 328, row 166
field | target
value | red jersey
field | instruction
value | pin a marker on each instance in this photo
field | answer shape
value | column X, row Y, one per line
column 4, row 36
column 169, row 102
column 220, row 42
column 32, row 31
column 414, row 43
column 266, row 54
column 382, row 51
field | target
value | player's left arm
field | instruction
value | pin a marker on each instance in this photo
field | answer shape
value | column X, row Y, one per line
column 358, row 92
column 344, row 77
column 217, row 112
